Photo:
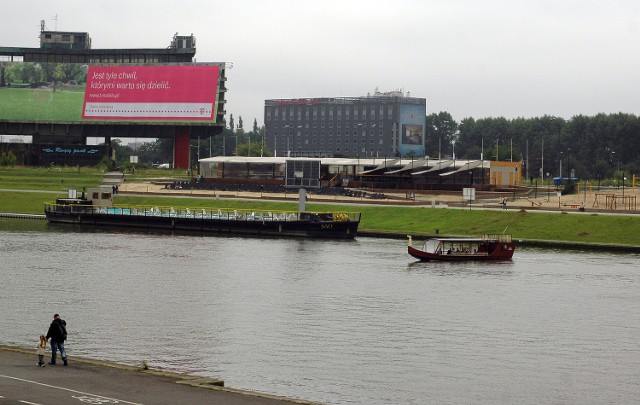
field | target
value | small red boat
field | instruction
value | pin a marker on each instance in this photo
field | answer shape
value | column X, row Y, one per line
column 488, row 247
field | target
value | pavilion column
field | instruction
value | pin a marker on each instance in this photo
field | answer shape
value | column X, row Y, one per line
column 181, row 149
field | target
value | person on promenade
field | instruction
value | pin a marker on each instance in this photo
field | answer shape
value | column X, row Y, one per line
column 41, row 350
column 504, row 203
column 58, row 334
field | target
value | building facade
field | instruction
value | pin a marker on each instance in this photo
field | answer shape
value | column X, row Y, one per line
column 378, row 125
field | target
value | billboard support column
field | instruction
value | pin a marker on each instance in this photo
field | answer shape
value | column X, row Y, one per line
column 181, row 149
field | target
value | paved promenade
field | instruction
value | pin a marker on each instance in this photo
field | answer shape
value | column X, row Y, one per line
column 92, row 382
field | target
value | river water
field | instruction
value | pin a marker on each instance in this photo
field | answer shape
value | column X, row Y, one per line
column 338, row 322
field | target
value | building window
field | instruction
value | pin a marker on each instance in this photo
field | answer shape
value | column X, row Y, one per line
column 331, row 125
column 389, row 112
column 66, row 38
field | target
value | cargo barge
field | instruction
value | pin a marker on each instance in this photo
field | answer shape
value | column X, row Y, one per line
column 216, row 221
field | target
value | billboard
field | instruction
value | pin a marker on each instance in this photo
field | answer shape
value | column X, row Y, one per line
column 412, row 130
column 77, row 93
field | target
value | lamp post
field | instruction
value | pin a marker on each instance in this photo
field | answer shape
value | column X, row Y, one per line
column 560, row 175
column 613, row 161
column 623, row 179
column 548, row 186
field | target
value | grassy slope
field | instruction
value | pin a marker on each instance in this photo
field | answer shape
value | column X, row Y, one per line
column 56, row 179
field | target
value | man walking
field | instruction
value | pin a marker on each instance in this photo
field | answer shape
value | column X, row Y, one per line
column 58, row 334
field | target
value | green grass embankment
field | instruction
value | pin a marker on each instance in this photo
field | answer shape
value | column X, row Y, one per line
column 54, row 179
column 583, row 229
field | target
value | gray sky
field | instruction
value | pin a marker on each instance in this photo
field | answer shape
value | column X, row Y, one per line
column 472, row 58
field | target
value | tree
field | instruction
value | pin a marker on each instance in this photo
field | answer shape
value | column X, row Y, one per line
column 255, row 126
column 157, row 151
column 231, row 123
column 441, row 129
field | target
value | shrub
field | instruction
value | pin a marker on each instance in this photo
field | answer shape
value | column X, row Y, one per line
column 7, row 159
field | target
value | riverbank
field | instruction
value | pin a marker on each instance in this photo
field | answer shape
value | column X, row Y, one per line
column 557, row 227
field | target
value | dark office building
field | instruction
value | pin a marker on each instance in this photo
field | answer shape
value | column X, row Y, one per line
column 378, row 125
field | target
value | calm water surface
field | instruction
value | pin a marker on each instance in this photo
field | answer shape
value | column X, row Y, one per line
column 336, row 322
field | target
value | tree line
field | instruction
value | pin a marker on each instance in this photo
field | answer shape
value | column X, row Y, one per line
column 604, row 146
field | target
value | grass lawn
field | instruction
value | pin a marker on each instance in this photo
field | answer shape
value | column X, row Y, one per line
column 54, row 179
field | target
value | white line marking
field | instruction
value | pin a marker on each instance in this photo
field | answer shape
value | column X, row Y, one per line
column 69, row 389
column 30, row 403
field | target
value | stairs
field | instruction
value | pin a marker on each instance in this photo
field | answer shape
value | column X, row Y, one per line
column 112, row 179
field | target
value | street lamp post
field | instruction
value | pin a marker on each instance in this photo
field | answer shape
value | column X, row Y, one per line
column 560, row 175
column 275, row 144
column 623, row 178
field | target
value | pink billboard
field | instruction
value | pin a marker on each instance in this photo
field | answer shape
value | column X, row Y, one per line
column 143, row 93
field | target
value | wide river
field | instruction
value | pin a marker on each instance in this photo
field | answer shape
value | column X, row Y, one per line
column 338, row 322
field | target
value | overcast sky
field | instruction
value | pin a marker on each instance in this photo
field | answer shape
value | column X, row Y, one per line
column 471, row 58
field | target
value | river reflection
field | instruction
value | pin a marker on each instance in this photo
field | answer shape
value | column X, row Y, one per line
column 333, row 321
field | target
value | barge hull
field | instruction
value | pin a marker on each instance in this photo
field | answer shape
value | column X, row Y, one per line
column 300, row 228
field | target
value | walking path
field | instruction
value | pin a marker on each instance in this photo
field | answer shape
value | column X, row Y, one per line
column 94, row 382
column 542, row 200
